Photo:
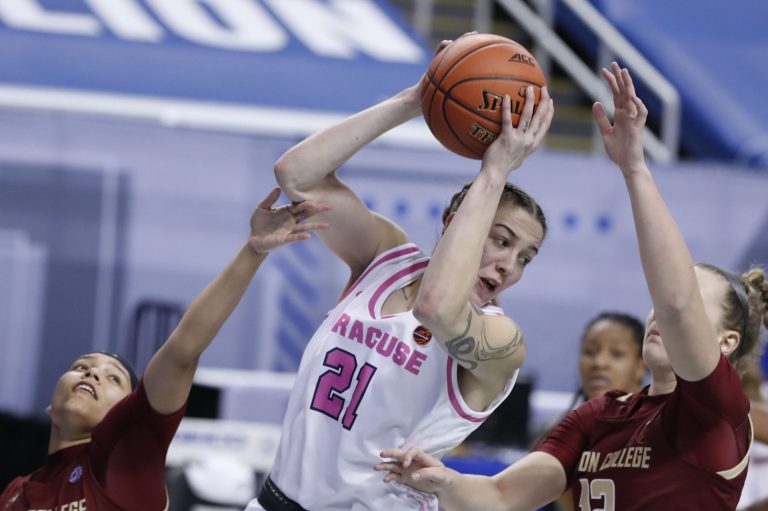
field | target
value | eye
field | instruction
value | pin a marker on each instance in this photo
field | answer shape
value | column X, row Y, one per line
column 79, row 367
column 114, row 379
column 502, row 242
column 524, row 260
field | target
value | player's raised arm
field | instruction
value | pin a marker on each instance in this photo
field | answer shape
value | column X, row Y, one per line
column 679, row 310
column 307, row 171
column 169, row 374
column 497, row 236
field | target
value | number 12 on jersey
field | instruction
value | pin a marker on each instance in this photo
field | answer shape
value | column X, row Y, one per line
column 602, row 489
column 337, row 380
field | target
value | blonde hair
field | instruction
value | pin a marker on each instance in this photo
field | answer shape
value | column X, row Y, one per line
column 745, row 314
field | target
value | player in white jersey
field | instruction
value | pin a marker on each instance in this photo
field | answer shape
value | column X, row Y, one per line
column 414, row 352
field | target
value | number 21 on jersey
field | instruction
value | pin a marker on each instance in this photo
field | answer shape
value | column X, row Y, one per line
column 334, row 382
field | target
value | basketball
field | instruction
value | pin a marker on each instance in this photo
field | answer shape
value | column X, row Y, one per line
column 465, row 85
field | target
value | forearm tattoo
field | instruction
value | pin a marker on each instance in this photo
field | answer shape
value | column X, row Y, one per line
column 468, row 350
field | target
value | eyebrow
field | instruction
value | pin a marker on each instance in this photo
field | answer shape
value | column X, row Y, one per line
column 121, row 369
column 514, row 235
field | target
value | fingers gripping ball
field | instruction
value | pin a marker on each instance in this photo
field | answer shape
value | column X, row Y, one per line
column 465, row 85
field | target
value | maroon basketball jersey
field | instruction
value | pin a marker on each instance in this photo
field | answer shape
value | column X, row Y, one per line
column 684, row 451
column 121, row 468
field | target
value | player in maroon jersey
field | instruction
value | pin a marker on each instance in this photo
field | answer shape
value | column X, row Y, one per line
column 682, row 443
column 110, row 432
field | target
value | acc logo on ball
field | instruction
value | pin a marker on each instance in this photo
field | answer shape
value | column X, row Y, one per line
column 525, row 59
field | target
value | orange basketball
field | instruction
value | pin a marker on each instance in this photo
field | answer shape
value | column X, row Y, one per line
column 465, row 84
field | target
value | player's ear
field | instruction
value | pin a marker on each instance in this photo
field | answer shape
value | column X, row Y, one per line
column 729, row 342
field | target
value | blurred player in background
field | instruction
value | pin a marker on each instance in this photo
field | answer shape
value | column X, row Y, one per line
column 109, row 431
column 683, row 442
column 415, row 352
column 610, row 358
column 611, row 355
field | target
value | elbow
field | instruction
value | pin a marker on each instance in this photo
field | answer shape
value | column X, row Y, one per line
column 424, row 310
column 291, row 173
column 286, row 173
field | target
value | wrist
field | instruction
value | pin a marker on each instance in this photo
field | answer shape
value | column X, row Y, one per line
column 492, row 176
column 634, row 171
column 447, row 488
column 253, row 249
column 411, row 102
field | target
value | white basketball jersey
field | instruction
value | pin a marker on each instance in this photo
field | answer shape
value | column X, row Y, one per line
column 368, row 382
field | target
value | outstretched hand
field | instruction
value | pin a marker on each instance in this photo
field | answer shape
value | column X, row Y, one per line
column 515, row 144
column 623, row 140
column 271, row 228
column 415, row 468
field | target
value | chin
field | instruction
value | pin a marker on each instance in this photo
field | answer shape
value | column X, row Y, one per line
column 489, row 299
column 593, row 393
column 656, row 360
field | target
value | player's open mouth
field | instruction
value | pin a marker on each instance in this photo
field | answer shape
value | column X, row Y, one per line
column 86, row 387
column 489, row 284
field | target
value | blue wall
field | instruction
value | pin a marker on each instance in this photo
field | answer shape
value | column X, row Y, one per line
column 186, row 199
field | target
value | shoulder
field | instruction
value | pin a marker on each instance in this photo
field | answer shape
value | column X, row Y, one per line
column 723, row 374
column 721, row 387
column 499, row 347
column 500, row 331
column 133, row 403
column 598, row 406
column 136, row 412
column 385, row 235
column 388, row 263
column 12, row 492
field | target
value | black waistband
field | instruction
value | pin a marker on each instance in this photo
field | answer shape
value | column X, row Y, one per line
column 272, row 498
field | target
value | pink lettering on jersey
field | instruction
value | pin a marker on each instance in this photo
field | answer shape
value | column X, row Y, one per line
column 382, row 342
column 414, row 363
column 356, row 334
column 385, row 348
column 340, row 327
column 401, row 353
column 370, row 341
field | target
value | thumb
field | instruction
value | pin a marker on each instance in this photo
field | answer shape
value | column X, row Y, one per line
column 642, row 111
column 601, row 118
column 270, row 199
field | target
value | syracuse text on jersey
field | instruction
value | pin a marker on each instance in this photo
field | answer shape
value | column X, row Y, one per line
column 374, row 338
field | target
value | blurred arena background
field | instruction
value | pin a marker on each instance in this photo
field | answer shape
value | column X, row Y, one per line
column 137, row 135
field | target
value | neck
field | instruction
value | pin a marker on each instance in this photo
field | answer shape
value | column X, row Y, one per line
column 663, row 381
column 57, row 440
